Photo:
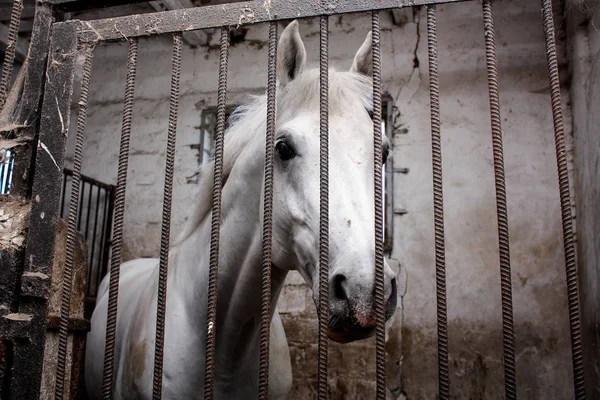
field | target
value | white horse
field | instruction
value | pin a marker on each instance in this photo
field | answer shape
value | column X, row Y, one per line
column 295, row 245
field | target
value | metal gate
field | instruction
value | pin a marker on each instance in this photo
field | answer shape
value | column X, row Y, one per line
column 94, row 223
column 70, row 38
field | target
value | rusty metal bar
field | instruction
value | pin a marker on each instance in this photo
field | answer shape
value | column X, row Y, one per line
column 211, row 317
column 166, row 220
column 53, row 128
column 438, row 207
column 501, row 209
column 323, row 208
column 377, row 170
column 74, row 209
column 250, row 12
column 265, row 318
column 11, row 46
column 565, row 203
column 115, row 264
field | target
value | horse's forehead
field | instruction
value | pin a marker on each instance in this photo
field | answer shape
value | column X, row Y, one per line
column 344, row 129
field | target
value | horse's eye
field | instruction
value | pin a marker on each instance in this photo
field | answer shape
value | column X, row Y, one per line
column 285, row 151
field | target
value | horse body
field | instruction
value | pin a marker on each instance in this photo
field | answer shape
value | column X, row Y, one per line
column 295, row 245
column 236, row 355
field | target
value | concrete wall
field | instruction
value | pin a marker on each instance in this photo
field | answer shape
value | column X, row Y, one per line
column 584, row 57
column 474, row 306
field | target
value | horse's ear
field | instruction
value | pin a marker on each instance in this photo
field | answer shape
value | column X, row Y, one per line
column 363, row 60
column 291, row 54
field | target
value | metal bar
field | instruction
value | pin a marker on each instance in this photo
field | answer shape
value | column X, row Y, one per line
column 166, row 220
column 250, row 12
column 438, row 207
column 211, row 318
column 377, row 170
column 103, row 256
column 501, row 209
column 565, row 203
column 54, row 125
column 93, row 181
column 87, row 216
column 9, row 53
column 79, row 5
column 80, row 203
column 91, row 262
column 109, row 228
column 62, row 197
column 323, row 208
column 74, row 210
column 21, row 47
column 9, row 170
column 265, row 318
column 113, row 291
column 3, row 177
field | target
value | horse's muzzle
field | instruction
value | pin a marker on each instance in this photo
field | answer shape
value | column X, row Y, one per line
column 354, row 318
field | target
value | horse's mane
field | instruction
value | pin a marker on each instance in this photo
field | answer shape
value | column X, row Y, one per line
column 248, row 122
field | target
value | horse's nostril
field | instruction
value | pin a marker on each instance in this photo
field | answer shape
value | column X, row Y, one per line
column 338, row 287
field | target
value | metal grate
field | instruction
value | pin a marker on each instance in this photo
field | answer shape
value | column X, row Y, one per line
column 6, row 171
column 56, row 103
column 94, row 223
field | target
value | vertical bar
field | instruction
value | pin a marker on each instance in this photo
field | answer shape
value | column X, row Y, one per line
column 81, row 196
column 438, row 206
column 62, row 198
column 377, row 164
column 323, row 207
column 103, row 250
column 265, row 318
column 11, row 46
column 89, row 208
column 108, row 242
column 166, row 220
column 9, row 172
column 54, row 125
column 65, row 308
column 91, row 262
column 113, row 291
column 3, row 179
column 501, row 210
column 211, row 318
column 565, row 203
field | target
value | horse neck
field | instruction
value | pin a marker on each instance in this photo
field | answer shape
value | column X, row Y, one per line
column 240, row 256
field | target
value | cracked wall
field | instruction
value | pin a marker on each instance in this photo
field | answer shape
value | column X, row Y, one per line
column 474, row 313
